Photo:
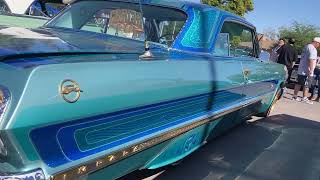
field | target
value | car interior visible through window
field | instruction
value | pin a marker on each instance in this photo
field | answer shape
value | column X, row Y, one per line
column 44, row 9
column 124, row 20
column 234, row 40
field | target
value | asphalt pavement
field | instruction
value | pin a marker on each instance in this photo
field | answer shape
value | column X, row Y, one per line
column 285, row 146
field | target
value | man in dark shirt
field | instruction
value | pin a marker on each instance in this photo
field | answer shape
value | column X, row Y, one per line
column 287, row 56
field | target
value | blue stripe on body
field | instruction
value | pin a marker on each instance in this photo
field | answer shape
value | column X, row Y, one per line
column 77, row 139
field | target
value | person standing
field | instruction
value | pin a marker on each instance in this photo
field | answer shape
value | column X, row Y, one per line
column 288, row 55
column 274, row 53
column 306, row 69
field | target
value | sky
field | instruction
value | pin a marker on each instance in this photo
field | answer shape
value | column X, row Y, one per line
column 276, row 13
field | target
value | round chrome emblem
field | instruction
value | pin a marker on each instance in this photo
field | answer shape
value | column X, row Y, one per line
column 70, row 90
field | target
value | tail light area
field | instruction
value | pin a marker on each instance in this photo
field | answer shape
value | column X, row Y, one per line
column 36, row 174
column 4, row 100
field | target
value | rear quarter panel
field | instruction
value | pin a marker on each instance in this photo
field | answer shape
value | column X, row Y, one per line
column 110, row 87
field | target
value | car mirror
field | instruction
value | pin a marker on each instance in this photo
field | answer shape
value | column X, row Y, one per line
column 264, row 56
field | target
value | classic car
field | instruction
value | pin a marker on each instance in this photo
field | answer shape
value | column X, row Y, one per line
column 109, row 87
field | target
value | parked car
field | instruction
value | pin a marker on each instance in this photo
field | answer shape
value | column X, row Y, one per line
column 104, row 88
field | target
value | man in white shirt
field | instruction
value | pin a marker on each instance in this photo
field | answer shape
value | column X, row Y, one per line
column 307, row 65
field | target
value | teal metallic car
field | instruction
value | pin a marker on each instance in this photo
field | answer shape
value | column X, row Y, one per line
column 109, row 87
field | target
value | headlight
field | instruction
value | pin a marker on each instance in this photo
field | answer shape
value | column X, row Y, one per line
column 37, row 174
column 4, row 100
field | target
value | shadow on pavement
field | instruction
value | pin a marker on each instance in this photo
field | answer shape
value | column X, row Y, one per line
column 279, row 147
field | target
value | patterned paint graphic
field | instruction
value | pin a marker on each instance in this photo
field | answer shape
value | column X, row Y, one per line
column 81, row 138
column 201, row 30
column 74, row 140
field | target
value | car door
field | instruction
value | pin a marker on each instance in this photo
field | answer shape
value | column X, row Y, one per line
column 256, row 74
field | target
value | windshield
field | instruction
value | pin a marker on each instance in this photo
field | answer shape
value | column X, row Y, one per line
column 122, row 19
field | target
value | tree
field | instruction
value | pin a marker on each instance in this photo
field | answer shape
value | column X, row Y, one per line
column 270, row 33
column 235, row 42
column 302, row 33
column 239, row 7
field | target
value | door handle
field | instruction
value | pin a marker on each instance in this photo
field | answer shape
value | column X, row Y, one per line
column 246, row 72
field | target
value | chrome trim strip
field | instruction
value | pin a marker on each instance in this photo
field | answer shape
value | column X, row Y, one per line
column 102, row 162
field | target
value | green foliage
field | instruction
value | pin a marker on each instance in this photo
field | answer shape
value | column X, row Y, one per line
column 302, row 33
column 246, row 36
column 239, row 7
column 235, row 42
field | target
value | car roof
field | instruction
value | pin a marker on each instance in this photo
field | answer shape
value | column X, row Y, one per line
column 191, row 32
column 179, row 4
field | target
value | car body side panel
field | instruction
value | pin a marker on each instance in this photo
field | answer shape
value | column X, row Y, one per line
column 152, row 95
column 263, row 77
column 132, row 163
column 20, row 21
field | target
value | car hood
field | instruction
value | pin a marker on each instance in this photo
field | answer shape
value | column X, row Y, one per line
column 19, row 41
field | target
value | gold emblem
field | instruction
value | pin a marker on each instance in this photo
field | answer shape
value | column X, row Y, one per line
column 98, row 163
column 82, row 169
column 246, row 72
column 111, row 158
column 70, row 90
column 135, row 148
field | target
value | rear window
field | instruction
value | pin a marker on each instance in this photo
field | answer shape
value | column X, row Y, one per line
column 157, row 24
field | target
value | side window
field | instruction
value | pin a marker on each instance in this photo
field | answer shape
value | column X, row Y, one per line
column 168, row 31
column 240, row 40
column 45, row 9
column 222, row 46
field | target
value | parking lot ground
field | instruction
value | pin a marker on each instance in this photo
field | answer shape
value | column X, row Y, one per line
column 285, row 146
